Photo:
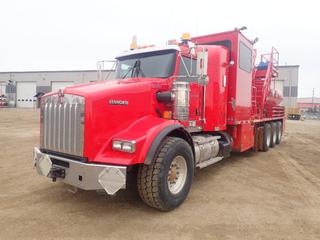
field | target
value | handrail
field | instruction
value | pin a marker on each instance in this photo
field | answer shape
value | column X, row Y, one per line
column 273, row 61
column 101, row 69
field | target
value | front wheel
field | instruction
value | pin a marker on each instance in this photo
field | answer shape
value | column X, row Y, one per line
column 165, row 184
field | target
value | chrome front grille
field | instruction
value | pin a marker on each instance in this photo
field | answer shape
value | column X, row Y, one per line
column 62, row 124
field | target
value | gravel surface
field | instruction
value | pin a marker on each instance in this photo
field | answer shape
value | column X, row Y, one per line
column 273, row 195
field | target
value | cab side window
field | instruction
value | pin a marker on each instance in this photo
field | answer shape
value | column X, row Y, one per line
column 245, row 57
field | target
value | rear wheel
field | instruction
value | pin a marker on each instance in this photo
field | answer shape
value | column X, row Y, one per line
column 266, row 137
column 165, row 184
column 273, row 134
column 279, row 132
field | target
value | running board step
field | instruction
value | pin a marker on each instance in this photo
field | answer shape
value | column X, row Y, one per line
column 209, row 162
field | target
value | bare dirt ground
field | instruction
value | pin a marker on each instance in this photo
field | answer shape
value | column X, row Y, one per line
column 273, row 195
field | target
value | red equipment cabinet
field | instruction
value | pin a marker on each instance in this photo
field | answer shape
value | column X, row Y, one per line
column 169, row 110
column 248, row 86
column 240, row 81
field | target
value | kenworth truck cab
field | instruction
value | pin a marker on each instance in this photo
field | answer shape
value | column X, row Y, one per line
column 168, row 111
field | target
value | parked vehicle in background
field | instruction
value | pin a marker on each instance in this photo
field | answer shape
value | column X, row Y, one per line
column 168, row 111
column 294, row 113
column 3, row 101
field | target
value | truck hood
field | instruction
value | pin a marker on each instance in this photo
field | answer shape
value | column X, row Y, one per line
column 113, row 106
column 99, row 89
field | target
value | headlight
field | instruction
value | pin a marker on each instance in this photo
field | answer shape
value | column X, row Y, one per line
column 124, row 146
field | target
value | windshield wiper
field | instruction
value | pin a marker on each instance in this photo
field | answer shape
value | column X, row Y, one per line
column 134, row 70
column 139, row 69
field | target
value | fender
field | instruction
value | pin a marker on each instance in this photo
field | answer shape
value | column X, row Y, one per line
column 148, row 132
column 157, row 141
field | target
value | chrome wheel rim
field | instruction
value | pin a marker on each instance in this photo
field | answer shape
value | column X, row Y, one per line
column 274, row 136
column 177, row 174
column 279, row 134
column 268, row 138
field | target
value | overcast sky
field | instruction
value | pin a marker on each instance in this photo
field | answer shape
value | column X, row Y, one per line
column 74, row 35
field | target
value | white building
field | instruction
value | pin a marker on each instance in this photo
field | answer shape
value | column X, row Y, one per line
column 21, row 87
column 287, row 84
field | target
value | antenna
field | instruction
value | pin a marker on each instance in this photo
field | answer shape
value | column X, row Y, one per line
column 312, row 98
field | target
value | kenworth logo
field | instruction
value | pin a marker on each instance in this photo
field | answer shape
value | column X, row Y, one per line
column 118, row 102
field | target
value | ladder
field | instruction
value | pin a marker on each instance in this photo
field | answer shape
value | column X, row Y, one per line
column 263, row 74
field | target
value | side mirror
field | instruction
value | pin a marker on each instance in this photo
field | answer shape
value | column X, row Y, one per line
column 202, row 64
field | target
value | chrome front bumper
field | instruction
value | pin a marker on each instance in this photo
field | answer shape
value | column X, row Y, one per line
column 86, row 176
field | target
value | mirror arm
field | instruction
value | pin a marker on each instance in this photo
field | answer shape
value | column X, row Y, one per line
column 181, row 60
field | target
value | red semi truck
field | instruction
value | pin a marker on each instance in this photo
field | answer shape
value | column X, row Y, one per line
column 168, row 111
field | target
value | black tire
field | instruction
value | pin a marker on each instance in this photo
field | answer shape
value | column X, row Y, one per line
column 153, row 179
column 279, row 132
column 273, row 134
column 266, row 137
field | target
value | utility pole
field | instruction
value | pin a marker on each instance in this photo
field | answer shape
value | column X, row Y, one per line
column 312, row 99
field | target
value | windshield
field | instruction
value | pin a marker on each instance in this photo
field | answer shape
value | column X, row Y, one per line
column 159, row 64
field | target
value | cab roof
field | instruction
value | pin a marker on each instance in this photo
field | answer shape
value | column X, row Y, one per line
column 148, row 50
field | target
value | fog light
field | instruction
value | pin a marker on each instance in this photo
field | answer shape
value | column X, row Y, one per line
column 124, row 146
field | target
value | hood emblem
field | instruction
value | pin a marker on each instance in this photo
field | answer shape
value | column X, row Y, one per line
column 118, row 102
column 60, row 93
column 60, row 96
